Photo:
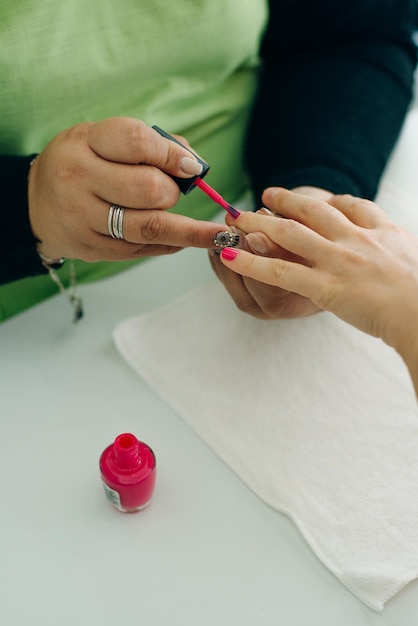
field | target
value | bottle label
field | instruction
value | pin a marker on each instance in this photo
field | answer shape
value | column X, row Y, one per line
column 113, row 496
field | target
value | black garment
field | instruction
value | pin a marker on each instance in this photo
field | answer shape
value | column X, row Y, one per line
column 18, row 255
column 337, row 83
column 333, row 95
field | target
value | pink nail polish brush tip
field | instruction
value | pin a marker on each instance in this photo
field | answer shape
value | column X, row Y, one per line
column 216, row 197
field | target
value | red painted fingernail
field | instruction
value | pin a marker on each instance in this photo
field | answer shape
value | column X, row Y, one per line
column 229, row 254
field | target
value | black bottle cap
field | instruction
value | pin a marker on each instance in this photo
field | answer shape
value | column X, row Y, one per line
column 186, row 184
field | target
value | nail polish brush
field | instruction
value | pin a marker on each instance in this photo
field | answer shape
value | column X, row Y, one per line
column 188, row 184
column 216, row 197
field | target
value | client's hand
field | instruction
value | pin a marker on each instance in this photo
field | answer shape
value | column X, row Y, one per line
column 361, row 266
column 255, row 297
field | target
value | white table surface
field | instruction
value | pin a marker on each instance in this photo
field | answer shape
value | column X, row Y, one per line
column 206, row 551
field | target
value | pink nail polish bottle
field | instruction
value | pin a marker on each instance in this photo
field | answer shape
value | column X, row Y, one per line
column 127, row 468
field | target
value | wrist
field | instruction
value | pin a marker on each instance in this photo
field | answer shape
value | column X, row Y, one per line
column 402, row 333
column 407, row 348
column 408, row 351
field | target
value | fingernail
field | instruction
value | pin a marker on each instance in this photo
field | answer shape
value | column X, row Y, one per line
column 229, row 254
column 191, row 166
column 225, row 239
column 265, row 211
column 257, row 244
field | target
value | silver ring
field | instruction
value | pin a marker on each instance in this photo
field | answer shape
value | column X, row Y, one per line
column 115, row 221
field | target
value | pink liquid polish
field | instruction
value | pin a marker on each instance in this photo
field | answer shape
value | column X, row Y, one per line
column 127, row 469
column 188, row 184
column 216, row 197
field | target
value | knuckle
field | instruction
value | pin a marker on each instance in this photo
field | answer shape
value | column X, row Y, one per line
column 279, row 268
column 154, row 227
column 363, row 203
column 135, row 136
column 326, row 299
column 311, row 205
column 151, row 186
column 78, row 132
column 194, row 236
column 62, row 155
column 157, row 191
column 288, row 226
column 69, row 173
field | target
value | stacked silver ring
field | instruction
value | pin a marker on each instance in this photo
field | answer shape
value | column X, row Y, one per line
column 115, row 221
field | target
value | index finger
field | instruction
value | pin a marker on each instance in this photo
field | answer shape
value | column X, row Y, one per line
column 289, row 234
column 315, row 213
column 151, row 226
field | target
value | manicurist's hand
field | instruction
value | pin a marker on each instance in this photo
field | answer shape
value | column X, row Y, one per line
column 88, row 168
column 360, row 265
column 265, row 301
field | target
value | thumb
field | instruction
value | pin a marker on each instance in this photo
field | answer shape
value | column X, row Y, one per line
column 131, row 141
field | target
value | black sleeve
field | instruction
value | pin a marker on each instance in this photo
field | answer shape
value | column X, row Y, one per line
column 335, row 88
column 18, row 257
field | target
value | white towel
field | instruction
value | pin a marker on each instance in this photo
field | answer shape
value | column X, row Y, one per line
column 319, row 419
